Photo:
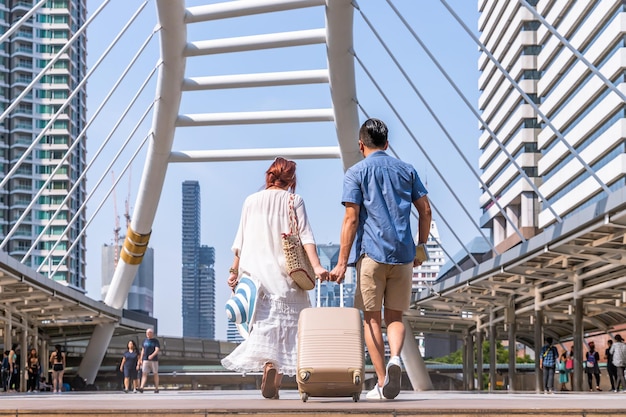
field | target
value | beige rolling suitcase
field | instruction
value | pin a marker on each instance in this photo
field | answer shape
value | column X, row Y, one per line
column 330, row 352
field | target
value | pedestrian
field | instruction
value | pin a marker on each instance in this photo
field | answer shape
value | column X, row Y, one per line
column 378, row 194
column 547, row 362
column 258, row 254
column 149, row 360
column 611, row 369
column 57, row 359
column 570, row 365
column 130, row 366
column 563, row 371
column 618, row 350
column 33, row 371
column 592, row 366
column 14, row 368
column 6, row 371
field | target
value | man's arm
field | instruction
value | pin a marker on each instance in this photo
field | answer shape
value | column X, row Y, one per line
column 425, row 218
column 348, row 232
column 155, row 353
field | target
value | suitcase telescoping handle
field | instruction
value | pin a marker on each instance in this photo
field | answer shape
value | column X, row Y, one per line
column 318, row 288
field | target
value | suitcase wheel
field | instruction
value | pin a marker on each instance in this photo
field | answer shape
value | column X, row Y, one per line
column 356, row 397
column 305, row 375
column 304, row 396
column 357, row 380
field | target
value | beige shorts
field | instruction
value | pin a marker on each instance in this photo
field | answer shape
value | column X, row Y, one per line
column 150, row 366
column 379, row 284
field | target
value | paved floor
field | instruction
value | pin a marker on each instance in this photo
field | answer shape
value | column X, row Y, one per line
column 213, row 403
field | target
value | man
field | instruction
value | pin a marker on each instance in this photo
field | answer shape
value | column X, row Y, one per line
column 610, row 366
column 149, row 360
column 547, row 363
column 378, row 193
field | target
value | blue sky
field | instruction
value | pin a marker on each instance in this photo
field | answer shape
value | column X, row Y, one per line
column 224, row 186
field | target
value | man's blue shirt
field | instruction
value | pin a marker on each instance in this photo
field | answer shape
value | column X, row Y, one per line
column 385, row 188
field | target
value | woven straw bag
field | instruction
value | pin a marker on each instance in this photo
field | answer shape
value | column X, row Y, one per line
column 297, row 262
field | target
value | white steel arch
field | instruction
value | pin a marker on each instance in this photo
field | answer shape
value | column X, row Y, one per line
column 175, row 49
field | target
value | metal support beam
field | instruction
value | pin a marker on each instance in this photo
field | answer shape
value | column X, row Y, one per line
column 470, row 361
column 538, row 345
column 479, row 360
column 512, row 344
column 492, row 353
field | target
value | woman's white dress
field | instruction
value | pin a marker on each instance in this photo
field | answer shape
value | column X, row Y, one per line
column 264, row 218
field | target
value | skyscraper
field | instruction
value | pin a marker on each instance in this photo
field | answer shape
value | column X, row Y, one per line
column 574, row 141
column 428, row 271
column 43, row 114
column 198, row 274
column 330, row 293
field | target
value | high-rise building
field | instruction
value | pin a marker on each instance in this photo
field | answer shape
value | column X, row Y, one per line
column 428, row 271
column 329, row 292
column 34, row 119
column 198, row 273
column 141, row 294
column 575, row 142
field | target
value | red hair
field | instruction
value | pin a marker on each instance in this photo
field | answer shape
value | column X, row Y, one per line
column 282, row 173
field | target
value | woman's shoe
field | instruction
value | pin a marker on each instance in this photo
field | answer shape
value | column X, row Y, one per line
column 268, row 384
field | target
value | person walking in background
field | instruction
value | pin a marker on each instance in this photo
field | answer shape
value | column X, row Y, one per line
column 149, row 360
column 14, row 369
column 618, row 350
column 130, row 366
column 547, row 362
column 611, row 369
column 563, row 371
column 258, row 254
column 570, row 365
column 6, row 371
column 57, row 359
column 592, row 366
column 33, row 370
column 378, row 194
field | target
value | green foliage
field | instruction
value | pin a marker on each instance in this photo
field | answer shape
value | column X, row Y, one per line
column 502, row 355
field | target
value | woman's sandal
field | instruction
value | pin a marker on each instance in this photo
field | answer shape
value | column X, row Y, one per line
column 268, row 384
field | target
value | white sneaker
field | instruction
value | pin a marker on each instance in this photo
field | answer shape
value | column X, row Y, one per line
column 393, row 379
column 374, row 394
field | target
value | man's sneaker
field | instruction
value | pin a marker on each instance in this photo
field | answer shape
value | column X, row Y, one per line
column 156, row 391
column 393, row 379
column 140, row 389
column 375, row 393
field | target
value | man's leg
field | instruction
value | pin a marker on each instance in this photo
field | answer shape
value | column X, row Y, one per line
column 375, row 343
column 395, row 336
column 156, row 379
column 395, row 331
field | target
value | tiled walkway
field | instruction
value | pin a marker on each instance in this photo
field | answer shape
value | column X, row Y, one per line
column 250, row 403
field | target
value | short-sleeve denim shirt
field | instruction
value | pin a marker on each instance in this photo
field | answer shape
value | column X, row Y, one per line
column 384, row 187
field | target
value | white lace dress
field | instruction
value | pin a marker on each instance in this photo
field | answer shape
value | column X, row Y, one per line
column 275, row 323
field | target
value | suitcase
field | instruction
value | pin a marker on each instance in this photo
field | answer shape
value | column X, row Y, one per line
column 331, row 358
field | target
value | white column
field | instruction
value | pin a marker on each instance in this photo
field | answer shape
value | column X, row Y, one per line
column 413, row 361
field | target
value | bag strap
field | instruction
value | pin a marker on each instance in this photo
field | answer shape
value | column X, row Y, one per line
column 293, row 221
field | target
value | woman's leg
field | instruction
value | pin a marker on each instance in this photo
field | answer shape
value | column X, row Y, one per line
column 590, row 380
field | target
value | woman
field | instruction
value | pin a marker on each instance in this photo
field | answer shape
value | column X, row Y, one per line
column 592, row 366
column 57, row 359
column 563, row 371
column 33, row 370
column 14, row 369
column 271, row 345
column 130, row 366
